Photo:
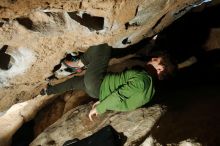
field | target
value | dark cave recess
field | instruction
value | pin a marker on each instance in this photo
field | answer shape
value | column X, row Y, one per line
column 4, row 59
column 89, row 21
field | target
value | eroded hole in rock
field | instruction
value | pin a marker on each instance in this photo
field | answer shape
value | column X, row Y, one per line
column 91, row 22
column 126, row 41
column 1, row 24
column 26, row 22
column 52, row 142
column 5, row 19
column 128, row 25
column 4, row 59
column 2, row 7
column 48, row 13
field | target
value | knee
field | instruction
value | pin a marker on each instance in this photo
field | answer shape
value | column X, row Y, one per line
column 101, row 48
column 92, row 87
column 105, row 48
column 92, row 91
column 90, row 84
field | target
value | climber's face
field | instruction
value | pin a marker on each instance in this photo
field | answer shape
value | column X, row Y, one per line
column 156, row 63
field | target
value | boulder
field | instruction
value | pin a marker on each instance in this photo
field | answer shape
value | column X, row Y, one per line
column 135, row 125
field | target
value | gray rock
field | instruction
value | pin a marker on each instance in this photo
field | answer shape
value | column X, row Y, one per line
column 75, row 124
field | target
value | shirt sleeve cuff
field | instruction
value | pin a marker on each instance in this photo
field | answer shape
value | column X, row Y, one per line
column 100, row 109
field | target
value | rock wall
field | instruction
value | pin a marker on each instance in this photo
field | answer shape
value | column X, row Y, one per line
column 39, row 33
column 35, row 35
column 140, row 122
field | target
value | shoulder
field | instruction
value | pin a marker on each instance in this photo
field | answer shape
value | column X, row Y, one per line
column 138, row 73
column 141, row 78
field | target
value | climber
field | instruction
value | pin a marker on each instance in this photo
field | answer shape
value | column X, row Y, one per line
column 123, row 91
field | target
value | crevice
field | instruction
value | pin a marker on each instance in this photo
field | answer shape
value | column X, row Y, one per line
column 56, row 68
column 26, row 22
column 48, row 13
column 24, row 135
column 80, row 5
column 5, row 19
column 2, row 7
column 126, row 41
column 91, row 22
column 1, row 24
column 158, row 22
column 128, row 25
column 52, row 142
column 136, row 11
column 181, row 12
column 4, row 59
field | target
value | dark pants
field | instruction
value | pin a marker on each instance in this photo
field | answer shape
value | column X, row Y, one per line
column 96, row 58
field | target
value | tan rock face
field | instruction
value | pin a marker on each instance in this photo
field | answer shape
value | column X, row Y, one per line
column 18, row 114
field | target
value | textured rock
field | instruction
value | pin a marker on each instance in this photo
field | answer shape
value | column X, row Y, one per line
column 53, row 111
column 152, row 142
column 39, row 33
column 17, row 115
column 75, row 124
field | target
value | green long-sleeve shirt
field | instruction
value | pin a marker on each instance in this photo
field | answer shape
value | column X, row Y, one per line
column 125, row 91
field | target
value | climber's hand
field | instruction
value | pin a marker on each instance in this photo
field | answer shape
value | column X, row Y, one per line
column 95, row 104
column 92, row 113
